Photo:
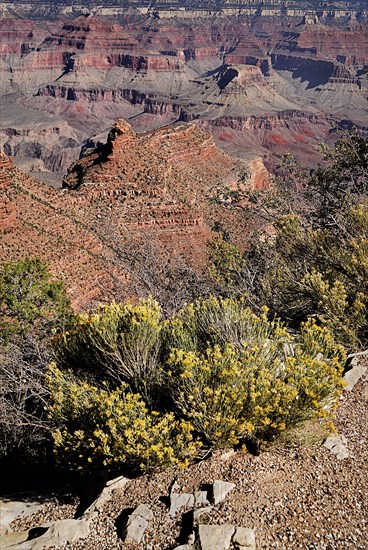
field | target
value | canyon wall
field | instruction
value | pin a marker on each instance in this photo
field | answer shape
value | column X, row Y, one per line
column 264, row 78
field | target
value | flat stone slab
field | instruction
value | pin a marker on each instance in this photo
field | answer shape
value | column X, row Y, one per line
column 220, row 490
column 337, row 445
column 111, row 486
column 179, row 501
column 14, row 540
column 137, row 524
column 201, row 499
column 12, row 509
column 353, row 376
column 215, row 537
column 57, row 533
column 244, row 539
column 200, row 511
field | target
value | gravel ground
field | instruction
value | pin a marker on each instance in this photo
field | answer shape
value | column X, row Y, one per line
column 295, row 496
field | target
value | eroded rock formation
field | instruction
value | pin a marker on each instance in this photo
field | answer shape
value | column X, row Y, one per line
column 8, row 211
column 263, row 78
column 161, row 187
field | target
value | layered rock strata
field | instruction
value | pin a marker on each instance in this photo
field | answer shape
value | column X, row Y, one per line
column 64, row 81
column 161, row 188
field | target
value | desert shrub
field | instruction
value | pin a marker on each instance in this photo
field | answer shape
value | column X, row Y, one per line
column 226, row 267
column 215, row 321
column 31, row 300
column 240, row 376
column 116, row 343
column 310, row 260
column 320, row 195
column 24, row 427
column 320, row 273
column 105, row 428
column 228, row 375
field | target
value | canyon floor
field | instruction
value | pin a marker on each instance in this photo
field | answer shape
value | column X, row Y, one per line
column 295, row 495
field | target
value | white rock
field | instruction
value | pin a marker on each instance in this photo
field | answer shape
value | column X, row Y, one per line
column 227, row 454
column 66, row 530
column 105, row 496
column 179, row 501
column 143, row 511
column 11, row 509
column 117, row 482
column 337, row 445
column 244, row 539
column 14, row 540
column 200, row 499
column 220, row 490
column 198, row 513
column 58, row 533
column 137, row 524
column 215, row 537
column 353, row 375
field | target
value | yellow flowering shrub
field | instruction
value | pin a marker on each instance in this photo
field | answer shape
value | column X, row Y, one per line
column 113, row 428
column 116, row 343
column 216, row 321
column 259, row 382
column 225, row 374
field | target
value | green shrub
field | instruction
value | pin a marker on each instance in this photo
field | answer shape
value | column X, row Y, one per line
column 113, row 428
column 30, row 300
column 214, row 321
column 33, row 307
column 310, row 259
column 253, row 379
column 226, row 263
column 321, row 273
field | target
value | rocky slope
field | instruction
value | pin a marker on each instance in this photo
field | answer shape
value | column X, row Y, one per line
column 300, row 495
column 262, row 79
column 160, row 187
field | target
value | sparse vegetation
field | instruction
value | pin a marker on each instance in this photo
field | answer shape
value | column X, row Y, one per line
column 33, row 307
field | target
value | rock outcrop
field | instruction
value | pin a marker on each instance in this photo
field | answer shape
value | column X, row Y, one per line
column 8, row 211
column 159, row 187
column 136, row 524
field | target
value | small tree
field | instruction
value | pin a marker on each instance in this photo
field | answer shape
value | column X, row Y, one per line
column 31, row 300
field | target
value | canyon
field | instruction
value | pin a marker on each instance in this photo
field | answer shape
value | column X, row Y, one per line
column 263, row 79
column 127, row 130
